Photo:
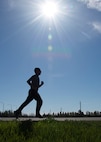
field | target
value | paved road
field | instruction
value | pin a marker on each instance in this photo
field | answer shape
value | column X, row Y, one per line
column 58, row 119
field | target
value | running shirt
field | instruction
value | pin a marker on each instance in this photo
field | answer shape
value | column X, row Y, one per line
column 35, row 82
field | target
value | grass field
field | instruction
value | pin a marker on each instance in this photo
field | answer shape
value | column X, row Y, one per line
column 50, row 131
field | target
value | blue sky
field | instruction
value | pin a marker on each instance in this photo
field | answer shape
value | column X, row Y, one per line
column 67, row 48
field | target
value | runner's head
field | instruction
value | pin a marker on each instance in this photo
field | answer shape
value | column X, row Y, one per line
column 37, row 71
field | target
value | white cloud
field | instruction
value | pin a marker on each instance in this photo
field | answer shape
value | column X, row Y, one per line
column 97, row 26
column 94, row 4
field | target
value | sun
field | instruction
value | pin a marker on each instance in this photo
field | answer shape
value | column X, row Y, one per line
column 49, row 9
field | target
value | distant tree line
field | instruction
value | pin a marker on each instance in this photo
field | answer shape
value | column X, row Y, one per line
column 9, row 113
column 75, row 114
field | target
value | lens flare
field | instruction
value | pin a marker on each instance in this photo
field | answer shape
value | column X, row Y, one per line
column 49, row 37
column 50, row 48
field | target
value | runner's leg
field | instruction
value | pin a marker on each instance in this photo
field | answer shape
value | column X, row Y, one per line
column 26, row 102
column 39, row 104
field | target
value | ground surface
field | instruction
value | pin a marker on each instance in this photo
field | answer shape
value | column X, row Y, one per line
column 55, row 118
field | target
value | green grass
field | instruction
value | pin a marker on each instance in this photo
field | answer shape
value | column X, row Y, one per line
column 50, row 131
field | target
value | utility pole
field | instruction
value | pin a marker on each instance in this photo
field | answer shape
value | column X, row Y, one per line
column 2, row 105
column 80, row 106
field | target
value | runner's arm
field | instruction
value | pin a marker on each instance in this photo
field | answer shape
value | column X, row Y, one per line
column 29, row 81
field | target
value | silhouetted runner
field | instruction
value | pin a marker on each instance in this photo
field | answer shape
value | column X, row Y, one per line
column 34, row 83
